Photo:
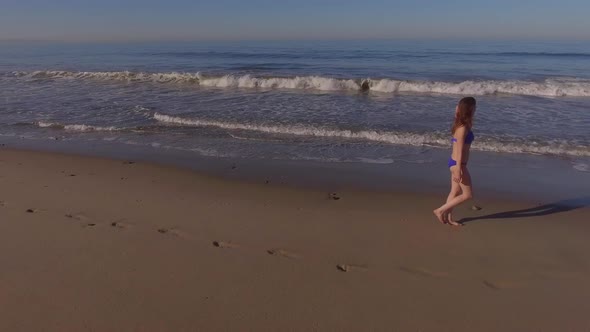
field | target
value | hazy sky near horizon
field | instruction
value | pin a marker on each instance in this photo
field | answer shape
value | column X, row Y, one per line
column 73, row 20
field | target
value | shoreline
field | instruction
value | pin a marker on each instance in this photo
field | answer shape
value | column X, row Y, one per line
column 104, row 244
column 496, row 176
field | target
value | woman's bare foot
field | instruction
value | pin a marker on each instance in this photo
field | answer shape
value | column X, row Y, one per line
column 448, row 217
column 440, row 216
column 452, row 222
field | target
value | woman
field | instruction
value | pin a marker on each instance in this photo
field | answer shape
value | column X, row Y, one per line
column 460, row 177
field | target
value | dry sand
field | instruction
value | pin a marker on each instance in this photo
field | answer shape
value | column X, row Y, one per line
column 103, row 245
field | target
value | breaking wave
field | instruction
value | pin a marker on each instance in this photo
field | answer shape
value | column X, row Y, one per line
column 399, row 138
column 554, row 87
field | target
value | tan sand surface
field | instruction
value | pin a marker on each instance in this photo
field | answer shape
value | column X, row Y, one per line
column 92, row 244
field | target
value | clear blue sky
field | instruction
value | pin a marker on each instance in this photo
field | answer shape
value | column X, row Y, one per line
column 302, row 19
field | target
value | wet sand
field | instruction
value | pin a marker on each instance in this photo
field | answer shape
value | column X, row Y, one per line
column 93, row 244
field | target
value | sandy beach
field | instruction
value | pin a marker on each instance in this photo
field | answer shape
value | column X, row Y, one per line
column 92, row 244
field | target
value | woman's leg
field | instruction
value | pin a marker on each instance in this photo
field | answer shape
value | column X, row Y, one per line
column 466, row 194
column 455, row 191
column 444, row 216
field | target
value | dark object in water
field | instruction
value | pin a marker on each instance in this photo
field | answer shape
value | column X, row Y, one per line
column 365, row 85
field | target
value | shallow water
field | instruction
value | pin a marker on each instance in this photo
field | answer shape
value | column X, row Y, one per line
column 364, row 102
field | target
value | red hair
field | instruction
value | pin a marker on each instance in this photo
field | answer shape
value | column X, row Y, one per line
column 464, row 116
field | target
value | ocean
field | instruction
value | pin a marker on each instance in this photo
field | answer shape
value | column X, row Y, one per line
column 331, row 102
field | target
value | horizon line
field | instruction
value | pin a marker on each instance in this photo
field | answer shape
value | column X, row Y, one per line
column 329, row 39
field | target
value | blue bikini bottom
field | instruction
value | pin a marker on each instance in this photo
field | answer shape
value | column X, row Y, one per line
column 453, row 162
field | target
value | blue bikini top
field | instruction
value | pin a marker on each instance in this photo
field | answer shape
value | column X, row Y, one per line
column 468, row 139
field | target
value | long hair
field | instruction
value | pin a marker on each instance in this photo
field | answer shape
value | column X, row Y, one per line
column 464, row 116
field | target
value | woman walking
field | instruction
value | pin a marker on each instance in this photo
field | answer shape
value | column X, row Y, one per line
column 461, row 190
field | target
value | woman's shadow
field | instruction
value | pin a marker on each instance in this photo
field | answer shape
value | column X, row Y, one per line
column 542, row 210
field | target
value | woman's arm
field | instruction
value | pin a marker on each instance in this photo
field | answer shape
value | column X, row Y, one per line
column 460, row 134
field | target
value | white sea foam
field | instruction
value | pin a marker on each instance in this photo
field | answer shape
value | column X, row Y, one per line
column 582, row 167
column 548, row 88
column 555, row 87
column 75, row 127
column 304, row 82
column 171, row 77
column 398, row 138
column 376, row 160
column 297, row 130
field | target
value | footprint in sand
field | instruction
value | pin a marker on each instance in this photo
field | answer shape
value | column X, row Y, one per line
column 351, row 267
column 423, row 272
column 490, row 285
column 334, row 196
column 225, row 245
column 77, row 216
column 500, row 285
column 283, row 253
column 120, row 224
column 81, row 217
column 172, row 231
